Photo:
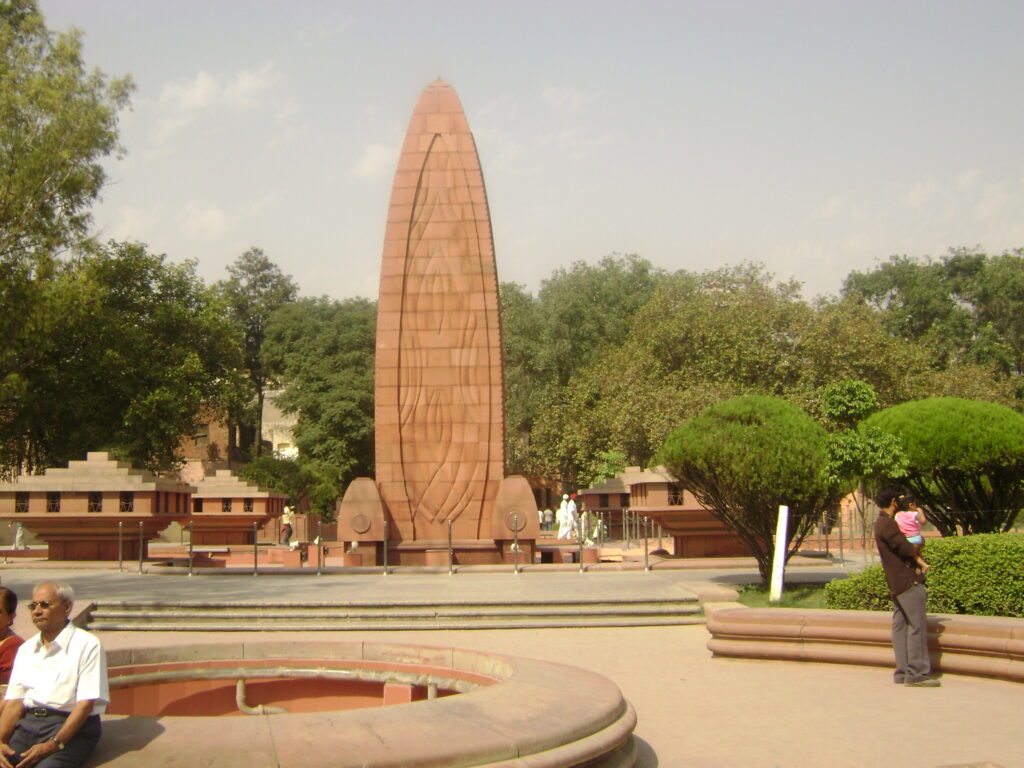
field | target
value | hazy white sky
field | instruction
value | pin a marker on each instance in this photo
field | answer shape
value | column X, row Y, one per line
column 817, row 137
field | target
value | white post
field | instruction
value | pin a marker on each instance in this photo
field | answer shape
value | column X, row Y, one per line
column 779, row 561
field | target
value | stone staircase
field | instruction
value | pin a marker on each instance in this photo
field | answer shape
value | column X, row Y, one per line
column 369, row 615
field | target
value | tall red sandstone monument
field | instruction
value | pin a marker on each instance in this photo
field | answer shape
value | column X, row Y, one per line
column 439, row 409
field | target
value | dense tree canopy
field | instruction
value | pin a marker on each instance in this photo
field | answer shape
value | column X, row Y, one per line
column 125, row 352
column 965, row 460
column 325, row 350
column 579, row 314
column 965, row 307
column 57, row 123
column 745, row 457
column 703, row 338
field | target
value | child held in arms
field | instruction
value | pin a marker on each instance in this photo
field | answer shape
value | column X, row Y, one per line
column 909, row 517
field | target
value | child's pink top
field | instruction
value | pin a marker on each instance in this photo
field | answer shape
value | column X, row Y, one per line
column 908, row 523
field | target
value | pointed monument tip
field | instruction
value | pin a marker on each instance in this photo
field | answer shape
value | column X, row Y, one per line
column 438, row 97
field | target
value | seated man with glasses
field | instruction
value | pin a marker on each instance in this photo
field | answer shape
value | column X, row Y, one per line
column 58, row 689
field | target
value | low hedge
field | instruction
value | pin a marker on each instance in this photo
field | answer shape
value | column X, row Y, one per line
column 980, row 575
column 862, row 591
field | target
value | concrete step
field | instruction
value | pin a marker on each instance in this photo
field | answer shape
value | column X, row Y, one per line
column 204, row 616
column 373, row 626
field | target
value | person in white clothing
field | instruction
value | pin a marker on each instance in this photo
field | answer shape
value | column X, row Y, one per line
column 574, row 517
column 58, row 689
column 563, row 518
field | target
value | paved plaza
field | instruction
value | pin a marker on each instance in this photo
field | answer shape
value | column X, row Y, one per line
column 693, row 710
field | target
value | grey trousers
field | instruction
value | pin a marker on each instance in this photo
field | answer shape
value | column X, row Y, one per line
column 910, row 635
column 33, row 730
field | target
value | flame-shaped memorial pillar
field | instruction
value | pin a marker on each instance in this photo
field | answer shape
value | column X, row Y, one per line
column 439, row 408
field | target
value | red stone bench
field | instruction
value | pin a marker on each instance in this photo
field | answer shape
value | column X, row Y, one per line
column 988, row 646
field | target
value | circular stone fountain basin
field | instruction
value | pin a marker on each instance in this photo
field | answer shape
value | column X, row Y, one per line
column 320, row 704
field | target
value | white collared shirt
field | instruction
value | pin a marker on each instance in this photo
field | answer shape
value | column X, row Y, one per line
column 72, row 669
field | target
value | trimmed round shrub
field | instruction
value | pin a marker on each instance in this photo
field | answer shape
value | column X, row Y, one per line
column 744, row 457
column 965, row 460
column 862, row 591
column 980, row 575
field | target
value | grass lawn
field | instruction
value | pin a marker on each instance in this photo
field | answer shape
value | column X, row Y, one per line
column 793, row 596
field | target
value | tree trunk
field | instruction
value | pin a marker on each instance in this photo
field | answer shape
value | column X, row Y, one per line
column 259, row 423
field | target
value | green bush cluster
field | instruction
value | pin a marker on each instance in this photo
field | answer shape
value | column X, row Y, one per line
column 980, row 575
column 862, row 591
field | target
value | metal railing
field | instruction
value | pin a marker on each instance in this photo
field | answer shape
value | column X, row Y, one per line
column 593, row 529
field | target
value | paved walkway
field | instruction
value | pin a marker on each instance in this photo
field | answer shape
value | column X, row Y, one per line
column 693, row 710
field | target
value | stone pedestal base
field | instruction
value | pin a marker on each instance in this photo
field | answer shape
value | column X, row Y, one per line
column 96, row 538
column 465, row 552
column 227, row 529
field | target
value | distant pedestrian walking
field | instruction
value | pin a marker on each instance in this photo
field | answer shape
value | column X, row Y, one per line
column 286, row 526
column 564, row 519
column 574, row 516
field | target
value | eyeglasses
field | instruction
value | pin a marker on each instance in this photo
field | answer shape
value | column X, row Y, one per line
column 44, row 604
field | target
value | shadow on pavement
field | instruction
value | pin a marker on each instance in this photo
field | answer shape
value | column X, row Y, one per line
column 124, row 735
column 645, row 756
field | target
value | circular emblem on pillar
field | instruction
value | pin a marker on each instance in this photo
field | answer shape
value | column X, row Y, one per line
column 360, row 523
column 515, row 521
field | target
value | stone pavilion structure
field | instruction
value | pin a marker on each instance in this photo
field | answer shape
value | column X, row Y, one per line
column 76, row 509
column 224, row 508
column 439, row 408
column 656, row 494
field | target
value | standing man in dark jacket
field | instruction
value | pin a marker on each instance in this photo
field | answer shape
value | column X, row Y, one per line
column 909, row 596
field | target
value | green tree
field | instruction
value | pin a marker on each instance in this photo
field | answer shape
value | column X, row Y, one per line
column 588, row 309
column 997, row 295
column 966, row 307
column 701, row 339
column 745, row 457
column 858, row 459
column 130, row 352
column 522, row 331
column 325, row 350
column 254, row 290
column 846, row 403
column 282, row 476
column 918, row 302
column 579, row 315
column 965, row 460
column 57, row 123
